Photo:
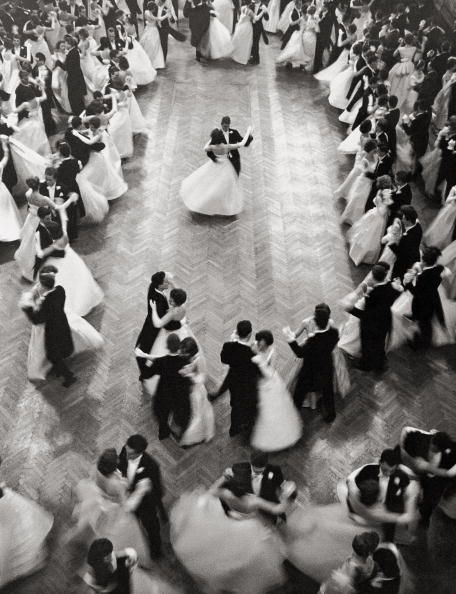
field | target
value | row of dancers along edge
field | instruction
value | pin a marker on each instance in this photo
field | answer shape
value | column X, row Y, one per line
column 235, row 535
column 396, row 87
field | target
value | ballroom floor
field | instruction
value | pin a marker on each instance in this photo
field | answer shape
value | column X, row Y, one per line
column 272, row 264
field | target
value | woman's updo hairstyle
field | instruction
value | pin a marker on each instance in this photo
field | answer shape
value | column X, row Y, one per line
column 188, row 346
column 217, row 136
column 387, row 563
column 33, row 183
column 107, row 462
column 179, row 296
column 364, row 544
column 368, row 492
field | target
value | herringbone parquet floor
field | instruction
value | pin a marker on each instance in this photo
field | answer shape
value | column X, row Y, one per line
column 282, row 255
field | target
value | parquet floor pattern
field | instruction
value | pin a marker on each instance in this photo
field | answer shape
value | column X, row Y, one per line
column 272, row 264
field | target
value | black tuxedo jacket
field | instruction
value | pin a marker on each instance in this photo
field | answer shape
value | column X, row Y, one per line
column 426, row 299
column 407, row 250
column 58, row 341
column 149, row 332
column 59, row 191
column 398, row 482
column 376, row 316
column 418, row 131
column 270, row 483
column 233, row 156
column 76, row 81
column 316, row 373
column 147, row 468
column 243, row 373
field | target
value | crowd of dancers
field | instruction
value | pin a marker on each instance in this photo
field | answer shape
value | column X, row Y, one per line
column 391, row 71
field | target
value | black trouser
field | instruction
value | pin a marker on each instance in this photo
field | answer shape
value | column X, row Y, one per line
column 149, row 521
column 76, row 102
column 373, row 354
column 162, row 409
column 255, row 56
column 163, row 32
column 61, row 369
column 423, row 338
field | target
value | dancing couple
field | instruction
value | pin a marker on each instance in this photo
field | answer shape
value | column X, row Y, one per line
column 213, row 189
column 261, row 406
column 172, row 366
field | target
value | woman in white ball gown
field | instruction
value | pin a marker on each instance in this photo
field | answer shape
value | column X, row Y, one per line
column 24, row 528
column 141, row 66
column 278, row 425
column 225, row 13
column 202, row 425
column 216, row 42
column 359, row 191
column 213, row 189
column 10, row 220
column 82, row 291
column 59, row 78
column 31, row 130
column 102, row 510
column 440, row 232
column 150, row 39
column 243, row 37
column 84, row 336
column 26, row 252
column 233, row 551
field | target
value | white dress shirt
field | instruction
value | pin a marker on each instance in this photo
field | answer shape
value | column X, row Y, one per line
column 132, row 468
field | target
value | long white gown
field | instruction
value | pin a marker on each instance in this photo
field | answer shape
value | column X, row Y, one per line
column 339, row 86
column 140, row 65
column 440, row 231
column 85, row 338
column 202, row 424
column 243, row 38
column 10, row 219
column 82, row 291
column 59, row 83
column 95, row 73
column 225, row 13
column 120, row 127
column 213, row 189
column 31, row 133
column 366, row 234
column 27, row 163
column 448, row 259
column 278, row 425
column 24, row 529
column 150, row 40
column 216, row 42
column 358, row 193
column 271, row 25
column 25, row 253
column 221, row 553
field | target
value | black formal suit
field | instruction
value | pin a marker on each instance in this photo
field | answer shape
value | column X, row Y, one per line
column 165, row 29
column 428, row 89
column 46, row 241
column 72, row 209
column 426, row 302
column 383, row 167
column 316, row 373
column 375, row 325
column 294, row 26
column 401, row 197
column 234, row 157
column 418, row 132
column 58, row 341
column 241, row 381
column 76, row 83
column 173, row 393
column 9, row 173
column 392, row 117
column 151, row 504
column 327, row 21
column 361, row 87
column 149, row 332
column 407, row 250
column 260, row 13
column 26, row 93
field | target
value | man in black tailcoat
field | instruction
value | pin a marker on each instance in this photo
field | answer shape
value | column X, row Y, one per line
column 145, row 487
column 58, row 341
column 241, row 380
column 231, row 136
column 159, row 283
column 259, row 13
column 326, row 23
column 198, row 14
column 375, row 319
column 316, row 373
column 77, row 89
column 407, row 250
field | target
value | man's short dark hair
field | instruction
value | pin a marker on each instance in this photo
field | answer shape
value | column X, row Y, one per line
column 137, row 442
column 244, row 328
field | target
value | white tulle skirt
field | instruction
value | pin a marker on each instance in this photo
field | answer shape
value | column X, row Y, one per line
column 349, row 117
column 10, row 219
column 440, row 232
column 448, row 259
column 213, row 189
column 102, row 176
column 339, row 86
column 284, row 21
column 121, row 132
column 431, row 162
column 25, row 253
column 140, row 65
column 225, row 13
column 85, row 338
column 202, row 424
column 27, row 163
column 242, row 42
column 150, row 41
column 356, row 199
column 95, row 73
column 81, row 289
column 138, row 123
column 345, row 188
column 222, row 553
column 25, row 526
column 32, row 135
column 329, row 73
column 216, row 43
column 365, row 237
column 294, row 51
column 272, row 24
column 351, row 144
column 278, row 425
column 60, row 88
